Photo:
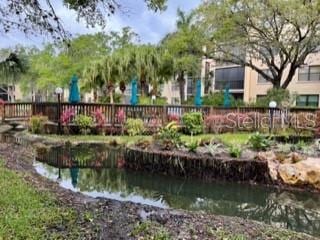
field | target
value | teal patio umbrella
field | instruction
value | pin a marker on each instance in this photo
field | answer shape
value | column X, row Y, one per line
column 134, row 92
column 74, row 93
column 74, row 173
column 198, row 100
column 226, row 97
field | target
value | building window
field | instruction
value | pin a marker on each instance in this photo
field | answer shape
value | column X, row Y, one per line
column 261, row 96
column 308, row 101
column 309, row 73
column 229, row 77
column 261, row 79
column 190, row 86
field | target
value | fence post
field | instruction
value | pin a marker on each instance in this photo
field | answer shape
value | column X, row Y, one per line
column 3, row 112
column 164, row 115
column 112, row 117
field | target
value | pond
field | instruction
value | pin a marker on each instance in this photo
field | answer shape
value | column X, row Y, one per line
column 97, row 171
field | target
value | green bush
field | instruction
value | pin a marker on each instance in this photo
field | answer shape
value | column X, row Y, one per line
column 36, row 124
column 192, row 146
column 280, row 96
column 216, row 99
column 235, row 151
column 117, row 98
column 134, row 127
column 193, row 123
column 259, row 142
column 148, row 101
column 84, row 123
column 168, row 136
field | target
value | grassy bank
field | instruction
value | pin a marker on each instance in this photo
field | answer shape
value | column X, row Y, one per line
column 28, row 214
column 228, row 138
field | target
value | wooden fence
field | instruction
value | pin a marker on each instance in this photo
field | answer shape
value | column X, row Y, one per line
column 148, row 113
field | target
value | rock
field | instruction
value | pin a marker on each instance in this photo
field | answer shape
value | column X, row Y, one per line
column 273, row 166
column 305, row 172
column 5, row 128
column 248, row 154
column 266, row 156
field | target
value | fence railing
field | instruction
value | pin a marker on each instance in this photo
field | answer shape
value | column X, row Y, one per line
column 148, row 113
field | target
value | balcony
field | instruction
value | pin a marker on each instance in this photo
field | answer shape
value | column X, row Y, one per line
column 232, row 77
column 220, row 85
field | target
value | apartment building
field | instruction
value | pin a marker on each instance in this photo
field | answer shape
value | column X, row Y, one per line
column 245, row 83
column 10, row 93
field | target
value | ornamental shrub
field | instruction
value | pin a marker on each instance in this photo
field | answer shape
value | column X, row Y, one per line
column 215, row 123
column 84, row 123
column 192, row 146
column 193, row 123
column 232, row 122
column 67, row 116
column 134, row 127
column 37, row 123
column 303, row 122
column 168, row 137
column 235, row 151
column 174, row 118
column 259, row 142
column 99, row 118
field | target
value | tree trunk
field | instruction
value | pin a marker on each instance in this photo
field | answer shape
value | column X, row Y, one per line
column 111, row 97
column 143, row 85
column 182, row 83
column 95, row 95
column 288, row 80
column 276, row 83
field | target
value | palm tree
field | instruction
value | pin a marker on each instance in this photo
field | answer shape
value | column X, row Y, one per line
column 185, row 20
column 12, row 66
column 185, row 46
column 92, row 76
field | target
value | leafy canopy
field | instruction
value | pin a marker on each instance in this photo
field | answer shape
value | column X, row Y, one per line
column 274, row 35
column 37, row 16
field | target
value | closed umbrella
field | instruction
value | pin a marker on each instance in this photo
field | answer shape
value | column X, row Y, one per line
column 226, row 98
column 134, row 92
column 74, row 173
column 198, row 100
column 74, row 94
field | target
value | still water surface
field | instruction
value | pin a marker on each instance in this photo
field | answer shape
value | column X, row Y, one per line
column 97, row 171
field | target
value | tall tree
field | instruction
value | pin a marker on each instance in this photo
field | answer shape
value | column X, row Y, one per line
column 39, row 16
column 277, row 35
column 13, row 64
column 185, row 44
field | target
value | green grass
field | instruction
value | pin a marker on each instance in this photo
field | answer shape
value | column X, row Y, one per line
column 28, row 214
column 227, row 138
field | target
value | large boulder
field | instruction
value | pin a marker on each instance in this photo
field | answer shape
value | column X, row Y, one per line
column 266, row 156
column 305, row 172
column 273, row 164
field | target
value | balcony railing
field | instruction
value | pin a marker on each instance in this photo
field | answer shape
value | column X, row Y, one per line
column 220, row 85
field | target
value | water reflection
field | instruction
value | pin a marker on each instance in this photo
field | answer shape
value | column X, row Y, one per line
column 106, row 178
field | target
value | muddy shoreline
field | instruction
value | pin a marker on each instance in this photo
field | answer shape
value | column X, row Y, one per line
column 117, row 220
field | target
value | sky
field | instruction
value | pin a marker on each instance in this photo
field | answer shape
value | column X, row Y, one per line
column 150, row 26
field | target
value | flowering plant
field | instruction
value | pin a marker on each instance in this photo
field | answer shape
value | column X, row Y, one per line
column 67, row 116
column 174, row 118
column 99, row 117
column 121, row 116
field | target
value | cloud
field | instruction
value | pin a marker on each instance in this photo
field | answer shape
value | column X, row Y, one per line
column 150, row 26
